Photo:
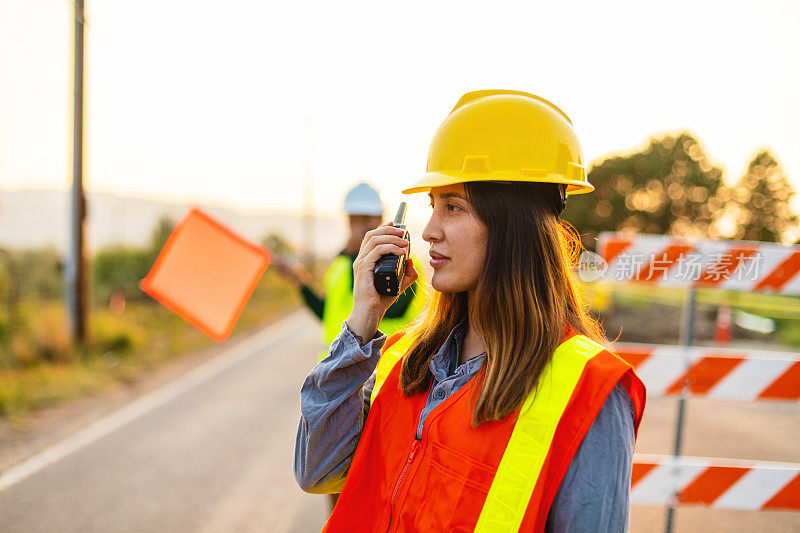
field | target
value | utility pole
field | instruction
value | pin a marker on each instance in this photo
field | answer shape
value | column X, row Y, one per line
column 76, row 290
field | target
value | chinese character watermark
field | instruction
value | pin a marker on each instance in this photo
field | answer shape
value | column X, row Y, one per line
column 698, row 268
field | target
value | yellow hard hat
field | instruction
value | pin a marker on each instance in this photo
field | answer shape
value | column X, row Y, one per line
column 505, row 136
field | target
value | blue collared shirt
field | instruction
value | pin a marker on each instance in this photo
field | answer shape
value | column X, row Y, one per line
column 592, row 497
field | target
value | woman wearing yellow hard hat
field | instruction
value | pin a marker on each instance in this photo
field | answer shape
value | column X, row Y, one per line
column 502, row 410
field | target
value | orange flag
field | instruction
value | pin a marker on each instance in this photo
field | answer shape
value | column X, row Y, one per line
column 206, row 273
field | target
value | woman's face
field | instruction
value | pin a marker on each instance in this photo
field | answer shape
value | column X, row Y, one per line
column 457, row 238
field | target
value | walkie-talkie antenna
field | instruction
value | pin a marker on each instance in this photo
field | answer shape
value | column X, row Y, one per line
column 400, row 217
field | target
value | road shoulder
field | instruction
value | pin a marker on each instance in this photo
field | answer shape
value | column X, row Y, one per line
column 46, row 427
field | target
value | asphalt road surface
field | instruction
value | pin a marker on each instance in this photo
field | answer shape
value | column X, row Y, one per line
column 211, row 451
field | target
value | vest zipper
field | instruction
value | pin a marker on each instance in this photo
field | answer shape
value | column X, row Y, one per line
column 399, row 485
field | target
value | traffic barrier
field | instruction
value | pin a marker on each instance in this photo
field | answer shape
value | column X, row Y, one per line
column 764, row 304
column 659, row 261
column 715, row 483
column 721, row 264
column 719, row 373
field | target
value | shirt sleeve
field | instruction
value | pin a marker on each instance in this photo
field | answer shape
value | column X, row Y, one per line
column 332, row 413
column 594, row 494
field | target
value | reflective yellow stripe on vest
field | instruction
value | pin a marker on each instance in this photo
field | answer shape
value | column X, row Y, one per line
column 389, row 358
column 519, row 468
column 533, row 433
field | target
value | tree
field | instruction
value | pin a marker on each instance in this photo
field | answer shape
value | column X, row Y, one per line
column 119, row 268
column 669, row 187
column 277, row 244
column 759, row 207
column 159, row 237
column 9, row 292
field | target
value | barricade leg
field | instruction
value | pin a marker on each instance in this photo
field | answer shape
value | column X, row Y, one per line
column 687, row 339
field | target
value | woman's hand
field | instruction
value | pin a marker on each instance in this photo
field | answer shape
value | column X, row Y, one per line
column 369, row 306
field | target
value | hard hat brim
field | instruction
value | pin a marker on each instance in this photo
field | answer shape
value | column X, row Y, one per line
column 440, row 179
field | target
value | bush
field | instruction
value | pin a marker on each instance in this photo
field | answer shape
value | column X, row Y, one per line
column 110, row 333
column 48, row 328
column 22, row 351
column 788, row 332
column 4, row 330
column 45, row 384
column 118, row 268
column 34, row 272
column 40, row 333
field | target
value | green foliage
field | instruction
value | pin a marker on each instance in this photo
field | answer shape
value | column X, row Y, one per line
column 42, row 385
column 39, row 333
column 32, row 272
column 144, row 334
column 47, row 331
column 28, row 276
column 159, row 237
column 111, row 333
column 118, row 268
column 669, row 187
column 760, row 205
column 277, row 244
column 38, row 364
column 788, row 332
column 41, row 272
column 9, row 305
column 33, row 328
column 4, row 330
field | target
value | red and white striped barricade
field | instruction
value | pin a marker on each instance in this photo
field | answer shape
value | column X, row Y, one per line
column 718, row 373
column 716, row 483
column 723, row 264
column 660, row 260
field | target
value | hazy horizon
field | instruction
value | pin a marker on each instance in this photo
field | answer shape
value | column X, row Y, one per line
column 39, row 217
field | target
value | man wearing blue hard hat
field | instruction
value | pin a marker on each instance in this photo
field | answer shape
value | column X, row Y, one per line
column 364, row 210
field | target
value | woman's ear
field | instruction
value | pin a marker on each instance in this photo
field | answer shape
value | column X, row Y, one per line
column 561, row 203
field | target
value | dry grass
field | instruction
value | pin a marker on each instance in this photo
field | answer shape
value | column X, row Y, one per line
column 41, row 368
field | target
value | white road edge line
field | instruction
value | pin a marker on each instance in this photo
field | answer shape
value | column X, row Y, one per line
column 149, row 401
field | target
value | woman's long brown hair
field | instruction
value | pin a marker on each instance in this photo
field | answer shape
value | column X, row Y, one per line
column 524, row 297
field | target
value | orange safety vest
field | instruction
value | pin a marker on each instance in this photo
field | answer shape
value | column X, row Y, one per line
column 502, row 475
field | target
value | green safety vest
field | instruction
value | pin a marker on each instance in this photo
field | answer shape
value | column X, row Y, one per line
column 339, row 302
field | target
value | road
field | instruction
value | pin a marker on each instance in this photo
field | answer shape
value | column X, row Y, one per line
column 212, row 451
column 209, row 452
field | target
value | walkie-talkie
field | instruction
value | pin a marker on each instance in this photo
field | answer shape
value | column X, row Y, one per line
column 390, row 269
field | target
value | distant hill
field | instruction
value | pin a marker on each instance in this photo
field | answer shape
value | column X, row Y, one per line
column 35, row 218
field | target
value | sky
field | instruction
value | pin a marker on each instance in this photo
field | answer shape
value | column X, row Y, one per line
column 237, row 102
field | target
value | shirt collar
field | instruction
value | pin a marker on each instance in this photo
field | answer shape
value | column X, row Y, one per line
column 445, row 362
